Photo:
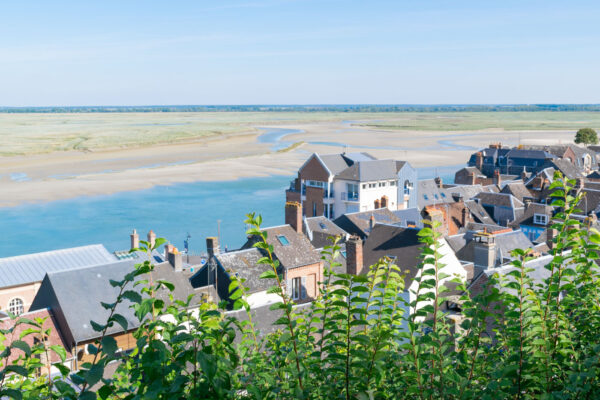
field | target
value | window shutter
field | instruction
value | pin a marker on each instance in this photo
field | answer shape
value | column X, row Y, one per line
column 303, row 293
column 288, row 285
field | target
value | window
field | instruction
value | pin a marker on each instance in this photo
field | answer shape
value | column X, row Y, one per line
column 331, row 216
column 343, row 252
column 382, row 184
column 283, row 240
column 443, row 194
column 392, row 183
column 352, row 189
column 318, row 184
column 425, row 197
column 15, row 306
column 407, row 186
column 298, row 288
column 364, row 185
column 314, row 209
column 372, row 185
column 436, row 196
column 540, row 219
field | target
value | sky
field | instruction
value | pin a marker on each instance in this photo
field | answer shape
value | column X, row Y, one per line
column 77, row 53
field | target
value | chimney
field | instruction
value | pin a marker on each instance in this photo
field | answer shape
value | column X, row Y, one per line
column 550, row 235
column 484, row 251
column 354, row 255
column 479, row 160
column 293, row 215
column 212, row 246
column 524, row 175
column 175, row 259
column 593, row 218
column 135, row 239
column 151, row 238
column 472, row 178
column 457, row 197
column 464, row 216
column 168, row 249
column 371, row 222
column 497, row 179
column 438, row 182
column 527, row 203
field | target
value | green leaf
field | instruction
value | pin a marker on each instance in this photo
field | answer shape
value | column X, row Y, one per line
column 132, row 296
column 268, row 274
column 62, row 353
column 109, row 345
column 119, row 319
column 21, row 345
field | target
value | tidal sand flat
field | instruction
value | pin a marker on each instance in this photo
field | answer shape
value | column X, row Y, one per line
column 59, row 156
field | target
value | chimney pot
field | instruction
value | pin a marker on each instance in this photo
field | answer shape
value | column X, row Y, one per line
column 371, row 222
column 151, row 238
column 135, row 239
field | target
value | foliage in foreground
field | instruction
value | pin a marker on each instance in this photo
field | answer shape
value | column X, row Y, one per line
column 356, row 340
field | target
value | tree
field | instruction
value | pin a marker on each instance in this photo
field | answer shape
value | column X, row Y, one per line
column 586, row 136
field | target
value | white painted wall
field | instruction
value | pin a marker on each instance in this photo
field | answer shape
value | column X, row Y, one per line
column 452, row 267
column 366, row 196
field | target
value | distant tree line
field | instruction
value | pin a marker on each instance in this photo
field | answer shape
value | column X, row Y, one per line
column 311, row 108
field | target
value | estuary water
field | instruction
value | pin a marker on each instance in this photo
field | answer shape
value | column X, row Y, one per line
column 171, row 211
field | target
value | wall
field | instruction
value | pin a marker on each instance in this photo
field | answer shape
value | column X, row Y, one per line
column 313, row 274
column 453, row 268
column 407, row 172
column 125, row 341
column 25, row 292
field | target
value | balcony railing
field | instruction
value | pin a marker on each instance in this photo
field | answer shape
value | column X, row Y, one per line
column 350, row 196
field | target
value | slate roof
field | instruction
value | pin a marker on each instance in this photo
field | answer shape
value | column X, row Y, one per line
column 528, row 216
column 479, row 213
column 517, row 189
column 319, row 229
column 429, row 193
column 335, row 162
column 358, row 223
column 594, row 175
column 20, row 270
column 505, row 243
column 298, row 253
column 244, row 264
column 409, row 215
column 466, row 191
column 394, row 241
column 569, row 170
column 499, row 199
column 532, row 154
column 74, row 296
column 373, row 170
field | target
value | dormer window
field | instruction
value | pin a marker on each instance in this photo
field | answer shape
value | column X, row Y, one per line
column 540, row 219
column 283, row 240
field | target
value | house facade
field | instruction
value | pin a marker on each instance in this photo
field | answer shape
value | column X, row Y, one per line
column 335, row 184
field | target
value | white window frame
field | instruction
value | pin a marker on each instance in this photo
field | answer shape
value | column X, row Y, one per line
column 297, row 288
column 540, row 219
column 18, row 306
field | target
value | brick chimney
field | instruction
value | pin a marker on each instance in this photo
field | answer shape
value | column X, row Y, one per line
column 135, row 239
column 371, row 222
column 354, row 255
column 293, row 215
column 151, row 238
column 438, row 181
column 175, row 259
column 479, row 160
column 497, row 178
column 212, row 246
column 168, row 249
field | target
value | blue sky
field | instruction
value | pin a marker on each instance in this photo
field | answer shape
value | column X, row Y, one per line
column 298, row 52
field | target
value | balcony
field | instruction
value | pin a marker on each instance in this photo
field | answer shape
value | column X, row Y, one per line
column 350, row 196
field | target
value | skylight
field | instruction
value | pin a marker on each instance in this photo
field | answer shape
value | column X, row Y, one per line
column 283, row 240
column 425, row 197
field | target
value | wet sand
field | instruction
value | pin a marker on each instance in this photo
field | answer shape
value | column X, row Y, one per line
column 61, row 175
